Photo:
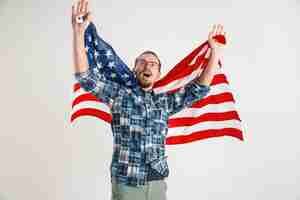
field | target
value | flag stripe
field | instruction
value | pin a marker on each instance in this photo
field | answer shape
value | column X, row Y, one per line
column 212, row 116
column 209, row 108
column 206, row 125
column 200, row 135
column 91, row 104
column 189, row 121
column 91, row 112
column 183, row 68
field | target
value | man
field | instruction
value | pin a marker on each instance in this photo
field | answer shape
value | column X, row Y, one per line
column 139, row 116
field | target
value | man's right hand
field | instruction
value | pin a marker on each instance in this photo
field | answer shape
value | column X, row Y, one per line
column 80, row 9
column 79, row 51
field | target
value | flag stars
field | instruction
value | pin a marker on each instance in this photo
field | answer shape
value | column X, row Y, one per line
column 128, row 83
column 108, row 53
column 99, row 65
column 111, row 64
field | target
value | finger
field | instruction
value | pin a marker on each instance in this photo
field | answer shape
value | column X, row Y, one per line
column 85, row 8
column 214, row 29
column 82, row 8
column 218, row 29
column 210, row 34
column 225, row 35
column 81, row 5
column 78, row 6
column 89, row 16
column 73, row 14
column 222, row 30
column 73, row 11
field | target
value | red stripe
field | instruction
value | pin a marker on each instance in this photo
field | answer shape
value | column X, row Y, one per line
column 85, row 97
column 180, row 70
column 190, row 121
column 217, row 79
column 76, row 87
column 200, row 135
column 214, row 99
column 92, row 112
column 183, row 68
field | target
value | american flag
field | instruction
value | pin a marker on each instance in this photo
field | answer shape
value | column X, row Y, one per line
column 213, row 116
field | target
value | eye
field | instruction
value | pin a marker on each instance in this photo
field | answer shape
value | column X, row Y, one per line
column 152, row 64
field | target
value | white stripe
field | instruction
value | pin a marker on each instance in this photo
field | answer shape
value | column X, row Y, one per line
column 210, row 108
column 180, row 82
column 91, row 104
column 202, row 51
column 219, row 89
column 204, row 126
column 79, row 92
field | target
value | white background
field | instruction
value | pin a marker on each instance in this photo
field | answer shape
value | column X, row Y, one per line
column 44, row 157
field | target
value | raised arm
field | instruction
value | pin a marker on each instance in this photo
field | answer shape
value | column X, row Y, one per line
column 89, row 80
column 199, row 87
column 215, row 54
column 99, row 54
column 79, row 53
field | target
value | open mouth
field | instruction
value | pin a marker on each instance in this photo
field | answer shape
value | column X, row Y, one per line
column 147, row 75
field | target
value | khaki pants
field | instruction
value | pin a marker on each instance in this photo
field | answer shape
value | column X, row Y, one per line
column 155, row 190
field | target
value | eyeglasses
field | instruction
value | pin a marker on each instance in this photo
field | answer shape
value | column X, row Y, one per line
column 144, row 62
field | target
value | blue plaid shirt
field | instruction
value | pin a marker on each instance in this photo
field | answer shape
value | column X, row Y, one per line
column 139, row 124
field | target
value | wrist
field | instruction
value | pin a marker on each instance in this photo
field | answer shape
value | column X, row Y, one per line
column 215, row 50
column 78, row 34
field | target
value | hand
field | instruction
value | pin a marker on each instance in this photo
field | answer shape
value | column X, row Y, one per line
column 216, row 30
column 80, row 10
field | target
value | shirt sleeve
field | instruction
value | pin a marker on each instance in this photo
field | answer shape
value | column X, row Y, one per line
column 98, row 85
column 186, row 96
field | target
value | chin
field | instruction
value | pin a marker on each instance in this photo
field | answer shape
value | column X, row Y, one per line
column 144, row 84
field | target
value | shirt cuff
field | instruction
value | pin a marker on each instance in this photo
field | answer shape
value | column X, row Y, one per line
column 81, row 75
column 201, row 87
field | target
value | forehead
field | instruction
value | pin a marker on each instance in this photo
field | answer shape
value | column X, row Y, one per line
column 148, row 57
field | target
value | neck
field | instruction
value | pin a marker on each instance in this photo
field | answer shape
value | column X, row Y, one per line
column 147, row 89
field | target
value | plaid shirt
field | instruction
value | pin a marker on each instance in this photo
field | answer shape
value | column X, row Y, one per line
column 139, row 124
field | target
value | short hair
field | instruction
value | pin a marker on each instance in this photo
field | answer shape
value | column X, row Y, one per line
column 152, row 53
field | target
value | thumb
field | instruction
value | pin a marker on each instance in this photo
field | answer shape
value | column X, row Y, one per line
column 89, row 16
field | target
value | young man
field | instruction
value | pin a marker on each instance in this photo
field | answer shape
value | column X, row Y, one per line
column 139, row 116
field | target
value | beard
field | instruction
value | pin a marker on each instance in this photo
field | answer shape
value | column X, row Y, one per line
column 143, row 82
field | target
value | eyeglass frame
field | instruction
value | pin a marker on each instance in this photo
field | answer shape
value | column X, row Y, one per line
column 145, row 62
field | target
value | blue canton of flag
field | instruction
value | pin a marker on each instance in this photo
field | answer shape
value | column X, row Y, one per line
column 103, row 59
